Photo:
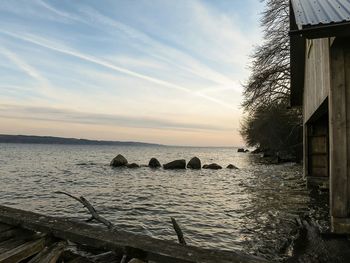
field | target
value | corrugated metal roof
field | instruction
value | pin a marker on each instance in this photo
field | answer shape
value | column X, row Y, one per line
column 318, row 12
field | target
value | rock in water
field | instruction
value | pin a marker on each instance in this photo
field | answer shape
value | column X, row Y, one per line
column 194, row 163
column 154, row 163
column 118, row 161
column 133, row 165
column 231, row 166
column 177, row 164
column 240, row 150
column 135, row 260
column 212, row 166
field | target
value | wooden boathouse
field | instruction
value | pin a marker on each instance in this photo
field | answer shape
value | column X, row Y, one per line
column 320, row 85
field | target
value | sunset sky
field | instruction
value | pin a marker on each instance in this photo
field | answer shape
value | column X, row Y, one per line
column 162, row 71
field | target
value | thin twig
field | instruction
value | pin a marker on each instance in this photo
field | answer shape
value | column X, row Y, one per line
column 92, row 210
column 180, row 235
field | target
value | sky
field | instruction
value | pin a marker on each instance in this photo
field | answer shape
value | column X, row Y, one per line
column 162, row 71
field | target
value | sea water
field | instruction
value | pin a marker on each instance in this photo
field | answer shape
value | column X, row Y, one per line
column 251, row 209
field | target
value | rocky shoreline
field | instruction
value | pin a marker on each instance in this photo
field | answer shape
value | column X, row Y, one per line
column 194, row 164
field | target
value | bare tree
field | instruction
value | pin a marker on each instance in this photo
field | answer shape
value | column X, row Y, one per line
column 269, row 81
column 269, row 124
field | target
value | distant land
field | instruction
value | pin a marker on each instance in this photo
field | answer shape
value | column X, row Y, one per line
column 60, row 140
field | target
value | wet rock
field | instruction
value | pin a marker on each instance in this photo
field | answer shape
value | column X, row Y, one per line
column 135, row 260
column 133, row 165
column 212, row 166
column 177, row 164
column 154, row 163
column 231, row 166
column 256, row 151
column 194, row 163
column 240, row 150
column 118, row 161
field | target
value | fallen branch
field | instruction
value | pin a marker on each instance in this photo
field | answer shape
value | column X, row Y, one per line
column 92, row 210
column 178, row 231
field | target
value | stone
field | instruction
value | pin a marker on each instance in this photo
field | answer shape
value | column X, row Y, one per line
column 256, row 151
column 194, row 163
column 135, row 260
column 118, row 161
column 133, row 165
column 240, row 150
column 154, row 163
column 177, row 164
column 231, row 166
column 212, row 166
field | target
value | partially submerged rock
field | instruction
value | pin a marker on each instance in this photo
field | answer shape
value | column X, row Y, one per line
column 231, row 166
column 240, row 150
column 177, row 164
column 133, row 165
column 212, row 166
column 154, row 163
column 194, row 163
column 135, row 260
column 118, row 161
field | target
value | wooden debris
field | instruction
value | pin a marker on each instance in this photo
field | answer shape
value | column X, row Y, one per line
column 178, row 231
column 91, row 209
column 23, row 251
column 133, row 245
column 50, row 254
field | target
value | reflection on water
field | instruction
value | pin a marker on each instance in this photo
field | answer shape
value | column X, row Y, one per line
column 251, row 209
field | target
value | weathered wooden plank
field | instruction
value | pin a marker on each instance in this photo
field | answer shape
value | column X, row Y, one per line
column 10, row 244
column 22, row 251
column 347, row 88
column 338, row 135
column 317, row 77
column 10, row 233
column 50, row 254
column 133, row 245
column 5, row 227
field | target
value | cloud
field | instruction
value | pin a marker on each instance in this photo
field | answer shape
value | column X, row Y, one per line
column 71, row 116
column 68, row 51
column 44, row 85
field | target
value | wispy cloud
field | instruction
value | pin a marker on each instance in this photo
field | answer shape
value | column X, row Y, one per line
column 68, row 51
column 66, row 115
column 43, row 83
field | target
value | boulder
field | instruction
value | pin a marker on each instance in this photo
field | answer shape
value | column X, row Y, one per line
column 194, row 163
column 135, row 260
column 240, row 150
column 154, row 163
column 231, row 166
column 118, row 161
column 256, row 151
column 133, row 165
column 177, row 164
column 212, row 166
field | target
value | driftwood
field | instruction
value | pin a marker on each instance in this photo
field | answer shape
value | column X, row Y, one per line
column 178, row 231
column 133, row 245
column 92, row 210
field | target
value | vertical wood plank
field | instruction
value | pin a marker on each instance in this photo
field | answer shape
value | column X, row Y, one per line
column 338, row 133
column 306, row 150
column 347, row 88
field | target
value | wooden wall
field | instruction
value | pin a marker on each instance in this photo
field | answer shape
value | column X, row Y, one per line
column 317, row 75
column 339, row 101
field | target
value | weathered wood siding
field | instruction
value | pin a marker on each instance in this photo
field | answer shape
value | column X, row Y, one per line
column 317, row 75
column 340, row 135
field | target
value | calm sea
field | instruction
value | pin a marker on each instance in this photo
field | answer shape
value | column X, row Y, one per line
column 251, row 209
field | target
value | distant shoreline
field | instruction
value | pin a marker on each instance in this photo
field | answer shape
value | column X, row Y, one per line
column 33, row 139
